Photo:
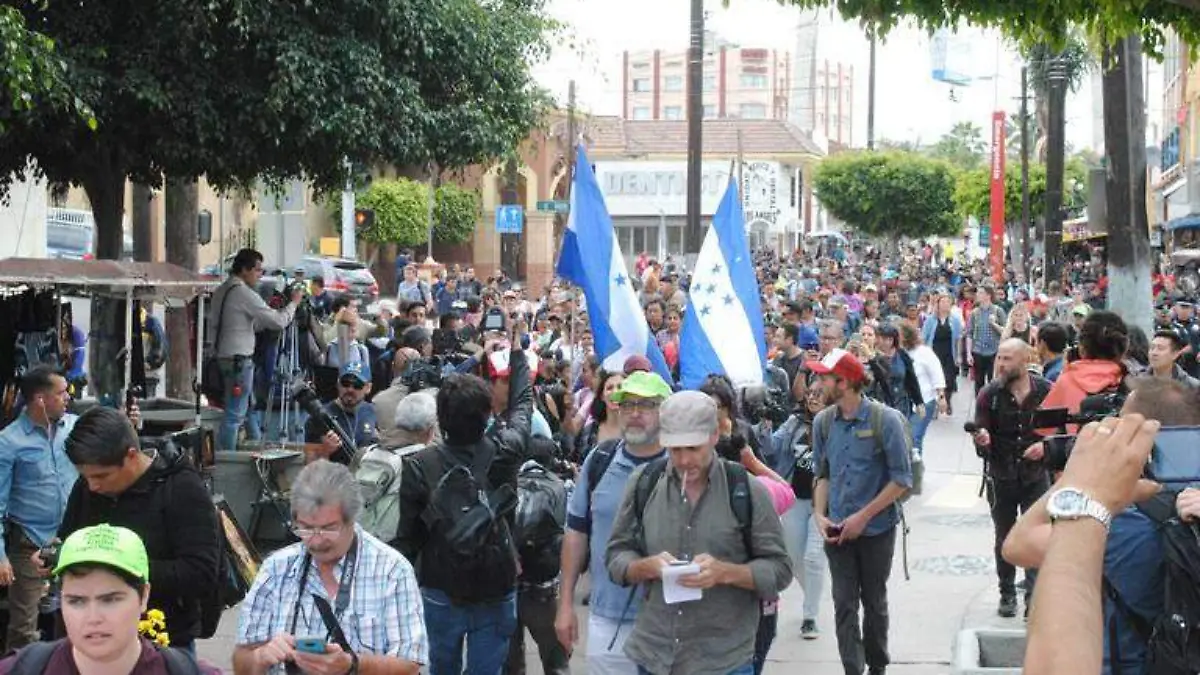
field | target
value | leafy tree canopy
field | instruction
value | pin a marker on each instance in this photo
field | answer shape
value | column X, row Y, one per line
column 1032, row 21
column 455, row 215
column 973, row 192
column 963, row 147
column 32, row 76
column 401, row 212
column 889, row 194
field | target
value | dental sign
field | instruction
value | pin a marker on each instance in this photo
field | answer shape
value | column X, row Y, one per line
column 655, row 189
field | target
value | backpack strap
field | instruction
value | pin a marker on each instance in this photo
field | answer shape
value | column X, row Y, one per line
column 33, row 659
column 179, row 662
column 647, row 480
column 604, row 454
column 741, row 502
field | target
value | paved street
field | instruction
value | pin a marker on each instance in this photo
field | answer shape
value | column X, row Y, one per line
column 952, row 585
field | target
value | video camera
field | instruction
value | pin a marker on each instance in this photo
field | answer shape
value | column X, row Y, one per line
column 429, row 373
column 1092, row 409
column 307, row 398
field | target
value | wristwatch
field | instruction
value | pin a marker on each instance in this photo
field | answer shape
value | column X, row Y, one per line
column 1071, row 504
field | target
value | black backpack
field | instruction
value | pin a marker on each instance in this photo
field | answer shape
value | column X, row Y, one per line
column 33, row 659
column 1173, row 637
column 231, row 586
column 540, row 522
column 469, row 534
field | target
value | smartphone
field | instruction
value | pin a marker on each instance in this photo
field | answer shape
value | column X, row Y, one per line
column 680, row 563
column 1175, row 460
column 310, row 645
column 835, row 530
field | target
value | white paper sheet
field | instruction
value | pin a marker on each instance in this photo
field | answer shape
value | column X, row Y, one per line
column 673, row 593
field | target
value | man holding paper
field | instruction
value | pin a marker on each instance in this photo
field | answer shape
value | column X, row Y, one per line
column 707, row 562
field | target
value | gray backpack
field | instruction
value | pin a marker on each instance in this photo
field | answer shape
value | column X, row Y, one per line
column 379, row 474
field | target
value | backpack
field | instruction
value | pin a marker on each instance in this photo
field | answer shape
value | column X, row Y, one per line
column 541, row 520
column 469, row 535
column 231, row 586
column 154, row 340
column 1173, row 637
column 740, row 501
column 33, row 659
column 379, row 475
column 823, row 423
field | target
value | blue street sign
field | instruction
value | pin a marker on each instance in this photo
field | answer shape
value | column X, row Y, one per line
column 510, row 219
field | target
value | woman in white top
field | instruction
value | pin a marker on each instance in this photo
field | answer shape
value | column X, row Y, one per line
column 930, row 376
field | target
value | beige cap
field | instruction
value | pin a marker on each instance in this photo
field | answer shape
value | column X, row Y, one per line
column 687, row 418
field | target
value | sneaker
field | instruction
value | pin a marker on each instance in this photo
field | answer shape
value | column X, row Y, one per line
column 808, row 630
column 1008, row 606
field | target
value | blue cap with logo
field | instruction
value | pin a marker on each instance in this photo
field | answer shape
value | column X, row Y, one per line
column 356, row 369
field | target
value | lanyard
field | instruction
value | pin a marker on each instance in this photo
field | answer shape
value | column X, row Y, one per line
column 343, row 593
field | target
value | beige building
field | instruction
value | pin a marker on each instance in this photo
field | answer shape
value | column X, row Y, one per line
column 739, row 82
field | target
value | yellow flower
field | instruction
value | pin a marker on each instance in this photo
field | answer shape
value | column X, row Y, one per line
column 145, row 627
column 156, row 615
column 162, row 640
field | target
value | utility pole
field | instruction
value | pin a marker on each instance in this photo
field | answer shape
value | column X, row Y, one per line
column 1026, row 235
column 693, row 235
column 1055, row 149
column 871, row 94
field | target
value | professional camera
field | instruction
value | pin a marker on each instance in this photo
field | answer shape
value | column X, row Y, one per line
column 447, row 342
column 769, row 401
column 1092, row 409
column 423, row 374
column 49, row 555
column 307, row 398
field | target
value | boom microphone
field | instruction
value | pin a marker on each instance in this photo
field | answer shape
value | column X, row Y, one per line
column 971, row 428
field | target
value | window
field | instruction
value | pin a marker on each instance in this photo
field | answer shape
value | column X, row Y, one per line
column 710, row 82
column 753, row 81
column 673, row 112
column 673, row 83
column 641, row 112
column 641, row 84
column 710, row 111
column 640, row 65
column 673, row 64
column 752, row 111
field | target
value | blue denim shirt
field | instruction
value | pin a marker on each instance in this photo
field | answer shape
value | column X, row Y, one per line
column 36, row 477
column 859, row 466
column 608, row 599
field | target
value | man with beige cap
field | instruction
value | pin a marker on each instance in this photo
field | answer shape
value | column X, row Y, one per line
column 731, row 538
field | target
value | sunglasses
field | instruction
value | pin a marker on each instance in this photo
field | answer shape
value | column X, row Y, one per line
column 351, row 383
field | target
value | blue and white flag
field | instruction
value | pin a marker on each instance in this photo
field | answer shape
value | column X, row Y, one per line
column 592, row 260
column 723, row 328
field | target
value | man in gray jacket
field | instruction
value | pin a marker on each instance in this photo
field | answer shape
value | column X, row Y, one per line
column 237, row 313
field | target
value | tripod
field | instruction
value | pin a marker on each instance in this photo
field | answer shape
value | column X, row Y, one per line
column 285, row 422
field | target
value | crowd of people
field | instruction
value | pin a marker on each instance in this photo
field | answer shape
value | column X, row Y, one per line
column 471, row 461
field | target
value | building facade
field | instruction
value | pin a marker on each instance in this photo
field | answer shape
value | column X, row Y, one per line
column 821, row 96
column 738, row 82
column 1175, row 180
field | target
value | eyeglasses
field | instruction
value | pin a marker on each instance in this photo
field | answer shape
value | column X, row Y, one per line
column 639, row 404
column 310, row 532
column 351, row 383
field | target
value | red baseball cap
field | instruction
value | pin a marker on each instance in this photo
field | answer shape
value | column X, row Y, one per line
column 636, row 363
column 841, row 363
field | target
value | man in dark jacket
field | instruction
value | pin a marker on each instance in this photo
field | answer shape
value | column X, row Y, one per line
column 485, row 429
column 160, row 498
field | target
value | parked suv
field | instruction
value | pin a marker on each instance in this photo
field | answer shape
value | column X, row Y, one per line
column 342, row 277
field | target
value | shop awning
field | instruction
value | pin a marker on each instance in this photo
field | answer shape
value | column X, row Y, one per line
column 1188, row 222
column 106, row 277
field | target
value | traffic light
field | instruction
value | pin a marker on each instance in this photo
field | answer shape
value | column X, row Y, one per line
column 364, row 218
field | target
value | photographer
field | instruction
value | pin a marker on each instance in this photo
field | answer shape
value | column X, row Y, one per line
column 468, row 575
column 1014, row 470
column 1133, row 553
column 351, row 412
column 1100, row 368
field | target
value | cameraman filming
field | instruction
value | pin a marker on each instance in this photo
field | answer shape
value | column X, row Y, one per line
column 351, row 412
column 1014, row 471
column 468, row 575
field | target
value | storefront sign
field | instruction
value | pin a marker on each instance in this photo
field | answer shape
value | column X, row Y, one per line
column 996, row 249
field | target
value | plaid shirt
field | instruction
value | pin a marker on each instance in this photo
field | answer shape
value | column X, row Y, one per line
column 385, row 615
column 985, row 339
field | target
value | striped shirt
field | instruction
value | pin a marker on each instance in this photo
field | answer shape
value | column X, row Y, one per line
column 385, row 615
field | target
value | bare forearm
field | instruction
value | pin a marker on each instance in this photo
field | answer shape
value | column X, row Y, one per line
column 371, row 664
column 1029, row 538
column 1066, row 633
column 821, row 497
column 574, row 550
column 244, row 661
column 642, row 570
column 884, row 499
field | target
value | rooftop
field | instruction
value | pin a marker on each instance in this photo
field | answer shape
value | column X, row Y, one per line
column 613, row 136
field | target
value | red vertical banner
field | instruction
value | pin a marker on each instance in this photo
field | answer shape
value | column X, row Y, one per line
column 996, row 248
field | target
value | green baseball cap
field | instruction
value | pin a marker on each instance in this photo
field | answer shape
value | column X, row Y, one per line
column 116, row 547
column 643, row 385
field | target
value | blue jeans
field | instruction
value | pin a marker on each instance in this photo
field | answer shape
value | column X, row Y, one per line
column 239, row 397
column 486, row 628
column 747, row 669
column 806, row 547
column 921, row 424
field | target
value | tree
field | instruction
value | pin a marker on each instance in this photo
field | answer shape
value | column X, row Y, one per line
column 455, row 215
column 401, row 212
column 973, row 191
column 963, row 147
column 32, row 76
column 889, row 194
column 1075, row 59
column 241, row 90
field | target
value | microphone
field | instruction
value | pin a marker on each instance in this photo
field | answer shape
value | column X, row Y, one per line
column 971, row 428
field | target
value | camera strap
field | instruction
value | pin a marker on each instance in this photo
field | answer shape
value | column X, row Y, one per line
column 341, row 602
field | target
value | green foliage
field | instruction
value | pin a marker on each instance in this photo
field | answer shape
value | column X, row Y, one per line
column 32, row 76
column 455, row 215
column 973, row 192
column 1032, row 21
column 1073, row 56
column 889, row 194
column 963, row 147
column 401, row 212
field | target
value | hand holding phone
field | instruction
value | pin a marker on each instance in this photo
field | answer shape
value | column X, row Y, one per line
column 311, row 645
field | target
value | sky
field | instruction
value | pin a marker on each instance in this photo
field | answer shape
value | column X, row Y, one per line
column 910, row 105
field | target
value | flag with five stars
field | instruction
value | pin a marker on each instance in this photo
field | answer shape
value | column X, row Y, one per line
column 592, row 260
column 723, row 328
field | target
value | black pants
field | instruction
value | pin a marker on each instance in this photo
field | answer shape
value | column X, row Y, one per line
column 1009, row 499
column 983, row 370
column 860, row 571
column 768, row 625
column 535, row 611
